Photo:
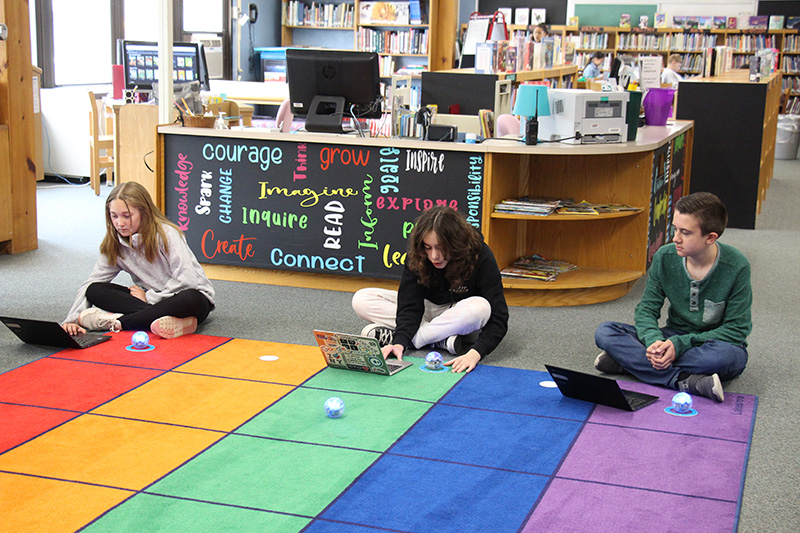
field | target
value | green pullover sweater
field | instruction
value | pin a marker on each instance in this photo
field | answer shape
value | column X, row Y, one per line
column 716, row 307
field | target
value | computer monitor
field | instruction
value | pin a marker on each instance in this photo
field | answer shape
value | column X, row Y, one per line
column 140, row 59
column 326, row 86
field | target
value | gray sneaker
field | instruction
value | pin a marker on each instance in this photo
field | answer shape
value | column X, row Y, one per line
column 708, row 386
column 97, row 319
column 607, row 364
column 383, row 334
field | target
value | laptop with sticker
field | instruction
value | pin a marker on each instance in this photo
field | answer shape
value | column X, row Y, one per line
column 50, row 333
column 597, row 389
column 354, row 352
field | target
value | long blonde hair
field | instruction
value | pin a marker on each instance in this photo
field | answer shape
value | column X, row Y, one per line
column 150, row 222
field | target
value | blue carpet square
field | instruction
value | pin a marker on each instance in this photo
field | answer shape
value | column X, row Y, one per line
column 411, row 494
column 509, row 441
column 515, row 391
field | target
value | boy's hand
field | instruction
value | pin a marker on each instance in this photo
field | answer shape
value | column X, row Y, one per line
column 661, row 354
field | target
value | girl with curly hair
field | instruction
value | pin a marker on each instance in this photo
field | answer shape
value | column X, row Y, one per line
column 170, row 295
column 450, row 294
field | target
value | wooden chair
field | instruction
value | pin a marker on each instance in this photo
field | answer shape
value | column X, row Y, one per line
column 97, row 143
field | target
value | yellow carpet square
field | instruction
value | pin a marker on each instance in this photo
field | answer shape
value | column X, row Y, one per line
column 108, row 451
column 197, row 401
column 43, row 505
column 242, row 359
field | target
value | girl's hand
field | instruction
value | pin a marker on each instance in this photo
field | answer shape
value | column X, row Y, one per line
column 138, row 292
column 466, row 362
column 73, row 329
column 393, row 349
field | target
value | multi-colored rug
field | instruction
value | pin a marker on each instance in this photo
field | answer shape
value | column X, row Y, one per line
column 203, row 434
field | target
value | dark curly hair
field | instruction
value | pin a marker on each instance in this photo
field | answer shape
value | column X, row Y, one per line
column 460, row 242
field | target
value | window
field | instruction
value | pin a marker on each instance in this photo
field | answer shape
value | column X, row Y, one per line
column 81, row 42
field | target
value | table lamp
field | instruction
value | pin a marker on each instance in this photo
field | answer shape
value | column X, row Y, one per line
column 531, row 103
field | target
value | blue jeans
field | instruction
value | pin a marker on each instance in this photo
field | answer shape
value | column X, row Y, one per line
column 712, row 357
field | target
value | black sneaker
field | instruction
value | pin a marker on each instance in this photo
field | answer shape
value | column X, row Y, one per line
column 453, row 344
column 384, row 335
column 607, row 364
column 708, row 386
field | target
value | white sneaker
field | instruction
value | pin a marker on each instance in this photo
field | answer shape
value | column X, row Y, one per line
column 384, row 334
column 170, row 327
column 97, row 319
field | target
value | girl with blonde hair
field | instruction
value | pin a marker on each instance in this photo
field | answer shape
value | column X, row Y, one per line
column 171, row 294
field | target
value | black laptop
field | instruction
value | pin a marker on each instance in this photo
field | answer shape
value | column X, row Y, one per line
column 597, row 389
column 50, row 333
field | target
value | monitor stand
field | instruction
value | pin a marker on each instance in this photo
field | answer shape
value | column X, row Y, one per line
column 326, row 114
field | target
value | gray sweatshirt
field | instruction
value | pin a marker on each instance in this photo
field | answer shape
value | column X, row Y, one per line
column 169, row 274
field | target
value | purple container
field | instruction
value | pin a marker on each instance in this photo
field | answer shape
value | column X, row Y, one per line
column 657, row 106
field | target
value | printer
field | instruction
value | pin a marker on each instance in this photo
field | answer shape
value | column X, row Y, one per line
column 595, row 117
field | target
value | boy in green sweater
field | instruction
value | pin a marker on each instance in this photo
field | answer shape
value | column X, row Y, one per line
column 707, row 284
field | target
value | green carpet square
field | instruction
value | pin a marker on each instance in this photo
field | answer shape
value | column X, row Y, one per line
column 411, row 383
column 368, row 422
column 287, row 477
column 146, row 512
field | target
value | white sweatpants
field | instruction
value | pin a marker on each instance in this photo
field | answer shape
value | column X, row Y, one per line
column 379, row 306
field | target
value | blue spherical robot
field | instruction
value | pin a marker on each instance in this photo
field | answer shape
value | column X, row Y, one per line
column 334, row 407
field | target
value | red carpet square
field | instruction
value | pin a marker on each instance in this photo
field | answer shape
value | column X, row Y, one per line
column 21, row 422
column 167, row 353
column 66, row 384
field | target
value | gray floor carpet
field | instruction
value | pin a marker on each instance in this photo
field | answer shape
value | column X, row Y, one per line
column 42, row 284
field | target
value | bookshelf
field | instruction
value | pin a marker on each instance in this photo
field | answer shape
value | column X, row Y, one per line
column 402, row 41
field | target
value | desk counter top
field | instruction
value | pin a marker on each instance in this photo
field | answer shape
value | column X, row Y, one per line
column 648, row 139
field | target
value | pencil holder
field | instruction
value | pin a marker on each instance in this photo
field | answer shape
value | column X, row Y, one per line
column 198, row 122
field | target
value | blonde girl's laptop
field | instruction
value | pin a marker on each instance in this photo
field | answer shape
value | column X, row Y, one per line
column 50, row 333
column 354, row 352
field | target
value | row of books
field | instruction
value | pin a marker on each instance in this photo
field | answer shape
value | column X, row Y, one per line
column 793, row 83
column 318, row 14
column 486, row 117
column 791, row 65
column 793, row 106
column 561, row 206
column 517, row 56
column 538, row 268
column 412, row 41
column 751, row 43
column 791, row 43
column 692, row 64
column 593, row 40
column 678, row 42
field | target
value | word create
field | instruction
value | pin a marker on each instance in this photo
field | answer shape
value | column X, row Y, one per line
column 238, row 247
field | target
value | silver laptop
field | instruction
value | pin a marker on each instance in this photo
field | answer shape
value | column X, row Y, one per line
column 50, row 333
column 597, row 389
column 354, row 352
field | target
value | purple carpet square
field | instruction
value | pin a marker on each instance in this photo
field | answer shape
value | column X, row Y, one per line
column 668, row 462
column 410, row 494
column 578, row 506
column 521, row 443
column 515, row 391
column 731, row 420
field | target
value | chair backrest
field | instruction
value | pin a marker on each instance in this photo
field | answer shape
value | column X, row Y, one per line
column 93, row 124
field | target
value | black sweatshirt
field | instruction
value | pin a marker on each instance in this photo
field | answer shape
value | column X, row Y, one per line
column 485, row 281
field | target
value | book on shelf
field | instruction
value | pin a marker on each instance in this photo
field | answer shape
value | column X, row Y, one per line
column 660, row 20
column 758, row 22
column 792, row 23
column 625, row 20
column 524, row 273
column 384, row 13
column 731, row 23
column 643, row 20
column 528, row 206
column 573, row 21
column 537, row 262
column 776, row 22
column 538, row 16
column 719, row 23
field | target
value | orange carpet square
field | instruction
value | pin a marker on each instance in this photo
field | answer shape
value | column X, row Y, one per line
column 65, row 384
column 22, row 422
column 242, row 359
column 197, row 401
column 47, row 505
column 167, row 353
column 107, row 451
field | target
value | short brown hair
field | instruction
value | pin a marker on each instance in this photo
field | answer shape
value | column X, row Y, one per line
column 676, row 58
column 708, row 209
